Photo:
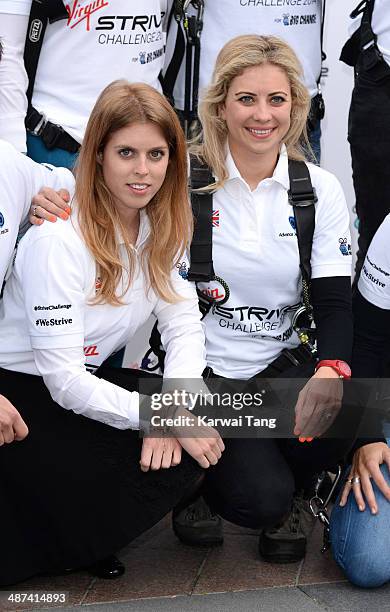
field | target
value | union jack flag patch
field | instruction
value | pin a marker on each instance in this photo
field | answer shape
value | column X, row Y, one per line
column 215, row 218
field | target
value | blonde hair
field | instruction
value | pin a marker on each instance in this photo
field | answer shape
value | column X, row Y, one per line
column 238, row 54
column 120, row 105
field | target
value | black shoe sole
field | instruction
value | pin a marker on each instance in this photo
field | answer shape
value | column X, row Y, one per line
column 281, row 559
column 282, row 552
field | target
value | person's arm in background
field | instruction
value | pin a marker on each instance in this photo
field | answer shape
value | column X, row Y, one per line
column 13, row 79
column 12, row 426
column 371, row 307
column 20, row 179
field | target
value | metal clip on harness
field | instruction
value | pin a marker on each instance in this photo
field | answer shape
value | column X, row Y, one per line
column 318, row 507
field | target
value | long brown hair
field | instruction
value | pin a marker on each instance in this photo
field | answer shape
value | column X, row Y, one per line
column 238, row 54
column 119, row 105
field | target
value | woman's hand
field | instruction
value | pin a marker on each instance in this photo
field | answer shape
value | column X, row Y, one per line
column 318, row 404
column 48, row 205
column 12, row 426
column 365, row 465
column 159, row 453
column 202, row 442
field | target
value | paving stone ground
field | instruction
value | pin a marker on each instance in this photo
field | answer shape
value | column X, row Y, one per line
column 165, row 575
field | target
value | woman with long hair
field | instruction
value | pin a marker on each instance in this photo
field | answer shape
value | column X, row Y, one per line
column 83, row 484
column 253, row 116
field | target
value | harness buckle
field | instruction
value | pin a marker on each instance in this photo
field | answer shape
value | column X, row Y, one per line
column 40, row 126
column 303, row 199
column 301, row 322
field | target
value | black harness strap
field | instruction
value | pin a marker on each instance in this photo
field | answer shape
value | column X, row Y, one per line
column 201, row 268
column 189, row 29
column 193, row 26
column 172, row 71
column 323, row 54
column 43, row 12
column 302, row 197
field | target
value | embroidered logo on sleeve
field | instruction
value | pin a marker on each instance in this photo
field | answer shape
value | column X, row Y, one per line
column 2, row 221
column 182, row 267
column 344, row 247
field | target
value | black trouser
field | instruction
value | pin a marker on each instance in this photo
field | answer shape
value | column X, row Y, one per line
column 73, row 492
column 369, row 138
column 254, row 481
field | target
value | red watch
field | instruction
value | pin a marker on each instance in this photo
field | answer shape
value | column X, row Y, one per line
column 341, row 367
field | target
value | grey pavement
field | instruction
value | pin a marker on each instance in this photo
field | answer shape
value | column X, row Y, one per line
column 314, row 598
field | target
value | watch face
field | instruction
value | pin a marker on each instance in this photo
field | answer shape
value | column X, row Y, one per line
column 344, row 369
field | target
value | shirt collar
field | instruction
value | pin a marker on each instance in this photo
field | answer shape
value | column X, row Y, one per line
column 280, row 174
column 231, row 167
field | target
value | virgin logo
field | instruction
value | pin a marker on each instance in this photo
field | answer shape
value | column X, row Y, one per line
column 78, row 13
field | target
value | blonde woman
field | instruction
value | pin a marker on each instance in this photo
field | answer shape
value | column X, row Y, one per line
column 254, row 115
column 83, row 484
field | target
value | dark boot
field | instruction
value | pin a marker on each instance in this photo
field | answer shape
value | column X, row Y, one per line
column 108, row 568
column 196, row 524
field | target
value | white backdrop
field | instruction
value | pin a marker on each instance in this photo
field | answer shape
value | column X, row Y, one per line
column 337, row 83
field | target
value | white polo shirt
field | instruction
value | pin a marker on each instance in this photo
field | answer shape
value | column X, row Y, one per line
column 255, row 250
column 101, row 41
column 298, row 23
column 380, row 24
column 374, row 281
column 21, row 179
column 48, row 326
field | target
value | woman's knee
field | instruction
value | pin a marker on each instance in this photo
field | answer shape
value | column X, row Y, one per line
column 361, row 541
column 363, row 566
column 366, row 571
column 254, row 507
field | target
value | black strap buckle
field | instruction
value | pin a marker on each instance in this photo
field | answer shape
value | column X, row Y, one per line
column 303, row 198
column 200, row 272
column 34, row 121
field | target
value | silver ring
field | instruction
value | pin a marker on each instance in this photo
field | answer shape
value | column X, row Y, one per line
column 355, row 480
column 34, row 211
column 348, row 481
